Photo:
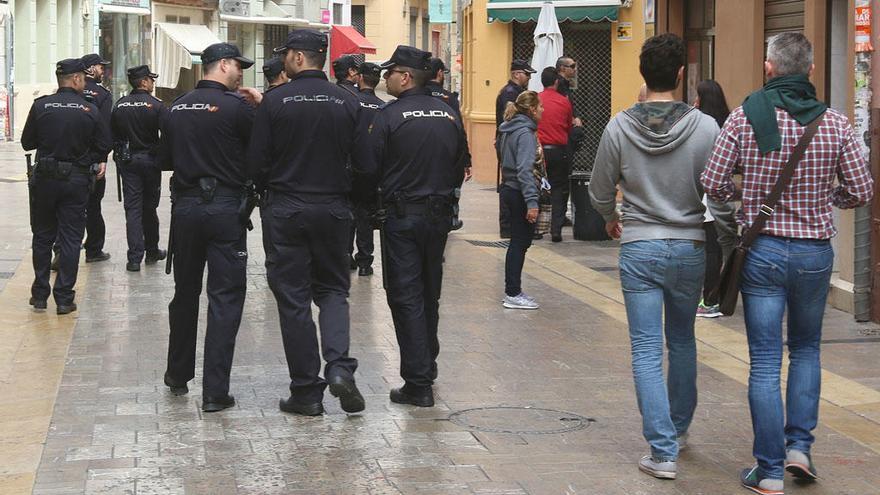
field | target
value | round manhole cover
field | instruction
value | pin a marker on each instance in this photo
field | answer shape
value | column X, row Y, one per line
column 520, row 420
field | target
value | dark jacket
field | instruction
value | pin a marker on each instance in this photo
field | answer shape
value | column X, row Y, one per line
column 136, row 118
column 507, row 94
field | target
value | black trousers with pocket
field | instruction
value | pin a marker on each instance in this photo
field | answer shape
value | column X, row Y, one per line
column 141, row 187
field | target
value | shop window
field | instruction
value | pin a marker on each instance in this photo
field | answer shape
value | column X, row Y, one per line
column 700, row 39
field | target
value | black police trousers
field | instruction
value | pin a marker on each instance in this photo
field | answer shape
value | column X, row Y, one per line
column 310, row 236
column 141, row 186
column 206, row 232
column 414, row 256
column 58, row 212
column 95, row 229
column 362, row 236
column 558, row 160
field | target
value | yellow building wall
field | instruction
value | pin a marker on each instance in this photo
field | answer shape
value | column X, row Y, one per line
column 387, row 25
column 625, row 77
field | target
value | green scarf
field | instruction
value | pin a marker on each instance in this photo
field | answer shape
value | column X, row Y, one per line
column 794, row 94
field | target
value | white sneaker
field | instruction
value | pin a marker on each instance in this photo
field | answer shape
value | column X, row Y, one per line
column 658, row 469
column 521, row 301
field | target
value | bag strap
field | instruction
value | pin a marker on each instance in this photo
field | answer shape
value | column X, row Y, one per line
column 769, row 203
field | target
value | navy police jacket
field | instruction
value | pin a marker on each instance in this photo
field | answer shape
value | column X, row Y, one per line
column 417, row 147
column 304, row 134
column 100, row 96
column 206, row 134
column 136, row 118
column 66, row 127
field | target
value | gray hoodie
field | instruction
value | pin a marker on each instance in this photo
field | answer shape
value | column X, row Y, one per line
column 656, row 152
column 519, row 146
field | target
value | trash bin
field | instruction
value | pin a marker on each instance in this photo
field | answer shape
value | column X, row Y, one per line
column 588, row 223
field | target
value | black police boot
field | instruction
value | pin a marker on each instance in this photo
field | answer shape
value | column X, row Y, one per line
column 99, row 256
column 155, row 256
column 537, row 236
column 291, row 406
column 133, row 267
column 352, row 264
column 350, row 397
column 37, row 303
column 64, row 309
column 365, row 271
column 556, row 237
column 426, row 399
column 567, row 222
column 214, row 404
column 177, row 387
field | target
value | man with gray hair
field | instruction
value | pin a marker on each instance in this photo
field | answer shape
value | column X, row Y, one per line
column 789, row 263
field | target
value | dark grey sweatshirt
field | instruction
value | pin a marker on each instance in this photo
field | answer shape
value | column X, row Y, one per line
column 519, row 147
column 655, row 151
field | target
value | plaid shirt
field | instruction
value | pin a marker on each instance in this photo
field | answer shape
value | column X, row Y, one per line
column 804, row 210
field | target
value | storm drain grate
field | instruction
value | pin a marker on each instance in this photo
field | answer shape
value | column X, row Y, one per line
column 492, row 244
column 520, row 420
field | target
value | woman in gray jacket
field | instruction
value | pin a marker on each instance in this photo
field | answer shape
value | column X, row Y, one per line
column 520, row 154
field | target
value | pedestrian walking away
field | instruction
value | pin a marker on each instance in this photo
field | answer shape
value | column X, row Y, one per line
column 523, row 182
column 135, row 125
column 788, row 267
column 94, row 92
column 418, row 150
column 204, row 141
column 69, row 136
column 304, row 136
column 520, row 74
column 655, row 151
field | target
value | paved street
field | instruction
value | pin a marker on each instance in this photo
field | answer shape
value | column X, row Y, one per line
column 535, row 402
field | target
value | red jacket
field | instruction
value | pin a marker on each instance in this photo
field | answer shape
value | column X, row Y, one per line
column 555, row 123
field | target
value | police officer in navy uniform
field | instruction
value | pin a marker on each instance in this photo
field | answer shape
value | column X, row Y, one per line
column 69, row 136
column 135, row 125
column 369, row 75
column 101, row 97
column 418, row 148
column 303, row 138
column 345, row 70
column 274, row 72
column 204, row 141
column 435, row 85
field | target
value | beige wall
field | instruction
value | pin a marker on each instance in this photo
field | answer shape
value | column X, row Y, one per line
column 625, row 76
column 387, row 25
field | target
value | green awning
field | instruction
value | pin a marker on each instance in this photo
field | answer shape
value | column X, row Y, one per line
column 566, row 10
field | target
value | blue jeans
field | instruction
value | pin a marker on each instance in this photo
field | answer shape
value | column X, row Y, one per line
column 782, row 272
column 658, row 274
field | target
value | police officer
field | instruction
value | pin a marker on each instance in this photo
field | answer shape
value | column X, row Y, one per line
column 204, row 140
column 369, row 75
column 303, row 137
column 69, row 136
column 418, row 147
column 101, row 97
column 135, row 124
column 520, row 73
column 345, row 69
column 274, row 72
column 435, row 85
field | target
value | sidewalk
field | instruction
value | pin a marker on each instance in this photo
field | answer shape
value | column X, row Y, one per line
column 537, row 402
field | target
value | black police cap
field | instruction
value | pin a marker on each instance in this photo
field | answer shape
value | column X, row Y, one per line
column 93, row 59
column 343, row 63
column 273, row 67
column 438, row 65
column 520, row 64
column 408, row 56
column 139, row 72
column 368, row 68
column 304, row 39
column 69, row 66
column 219, row 51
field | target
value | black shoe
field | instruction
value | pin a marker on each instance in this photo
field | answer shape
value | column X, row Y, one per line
column 352, row 264
column 350, row 397
column 365, row 271
column 556, row 238
column 37, row 303
column 63, row 309
column 398, row 396
column 566, row 222
column 154, row 257
column 54, row 265
column 133, row 267
column 433, row 374
column 505, row 235
column 537, row 236
column 457, row 223
column 288, row 405
column 100, row 256
column 214, row 404
column 177, row 387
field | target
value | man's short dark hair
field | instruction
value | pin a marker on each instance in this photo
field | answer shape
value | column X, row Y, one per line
column 314, row 59
column 549, row 76
column 371, row 80
column 136, row 82
column 660, row 60
column 562, row 61
column 210, row 66
column 419, row 77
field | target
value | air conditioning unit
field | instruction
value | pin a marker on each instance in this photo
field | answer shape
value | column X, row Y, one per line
column 235, row 7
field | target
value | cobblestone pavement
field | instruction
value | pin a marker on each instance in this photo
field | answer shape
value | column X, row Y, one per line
column 84, row 409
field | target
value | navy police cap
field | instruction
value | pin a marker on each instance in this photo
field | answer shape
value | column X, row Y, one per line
column 141, row 71
column 368, row 68
column 69, row 66
column 520, row 64
column 93, row 59
column 438, row 65
column 273, row 67
column 219, row 51
column 408, row 56
column 304, row 39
